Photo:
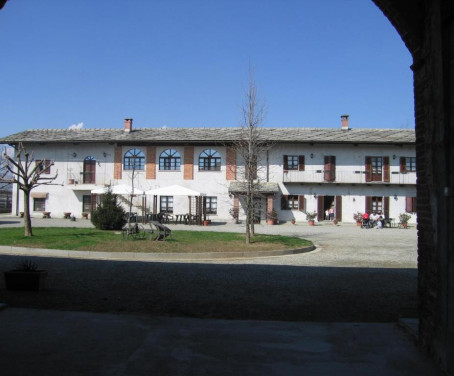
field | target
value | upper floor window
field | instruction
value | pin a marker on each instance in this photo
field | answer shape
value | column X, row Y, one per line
column 44, row 166
column 293, row 162
column 134, row 159
column 407, row 164
column 377, row 169
column 170, row 160
column 209, row 160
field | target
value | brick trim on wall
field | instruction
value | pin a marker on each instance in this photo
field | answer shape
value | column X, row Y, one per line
column 118, row 167
column 188, row 163
column 150, row 167
column 230, row 173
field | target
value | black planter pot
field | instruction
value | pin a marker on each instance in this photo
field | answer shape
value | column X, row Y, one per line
column 25, row 280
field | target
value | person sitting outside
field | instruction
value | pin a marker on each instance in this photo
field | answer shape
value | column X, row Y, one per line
column 373, row 218
column 379, row 222
column 365, row 219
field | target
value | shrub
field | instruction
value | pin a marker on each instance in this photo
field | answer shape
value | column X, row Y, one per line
column 109, row 215
column 404, row 217
column 358, row 216
column 310, row 216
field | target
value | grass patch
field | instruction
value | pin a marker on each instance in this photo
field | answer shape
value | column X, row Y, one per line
column 180, row 242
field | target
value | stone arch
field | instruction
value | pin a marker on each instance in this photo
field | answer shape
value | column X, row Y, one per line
column 427, row 29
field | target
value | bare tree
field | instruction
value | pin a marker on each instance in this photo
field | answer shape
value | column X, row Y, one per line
column 27, row 173
column 251, row 147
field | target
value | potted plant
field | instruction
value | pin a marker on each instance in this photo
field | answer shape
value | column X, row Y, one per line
column 293, row 221
column 335, row 221
column 310, row 216
column 403, row 220
column 358, row 217
column 26, row 276
column 271, row 218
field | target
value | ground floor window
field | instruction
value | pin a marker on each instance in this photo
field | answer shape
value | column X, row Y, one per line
column 86, row 203
column 39, row 204
column 211, row 205
column 377, row 204
column 166, row 204
column 292, row 202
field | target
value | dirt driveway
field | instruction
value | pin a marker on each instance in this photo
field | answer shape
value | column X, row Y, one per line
column 354, row 275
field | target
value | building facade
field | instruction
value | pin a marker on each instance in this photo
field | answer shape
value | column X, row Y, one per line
column 304, row 170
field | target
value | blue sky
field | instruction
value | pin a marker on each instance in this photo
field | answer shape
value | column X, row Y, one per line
column 184, row 63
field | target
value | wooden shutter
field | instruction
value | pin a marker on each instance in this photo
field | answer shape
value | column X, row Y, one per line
column 403, row 165
column 368, row 168
column 409, row 204
column 386, row 207
column 301, row 163
column 386, row 169
column 338, row 208
column 285, row 163
column 368, row 206
column 284, row 202
column 320, row 208
column 301, row 206
column 330, row 168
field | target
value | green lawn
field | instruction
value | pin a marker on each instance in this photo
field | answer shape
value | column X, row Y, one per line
column 111, row 241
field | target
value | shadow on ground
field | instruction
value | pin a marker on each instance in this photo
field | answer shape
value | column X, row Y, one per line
column 260, row 292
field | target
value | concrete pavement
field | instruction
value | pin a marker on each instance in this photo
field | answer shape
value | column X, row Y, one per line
column 45, row 342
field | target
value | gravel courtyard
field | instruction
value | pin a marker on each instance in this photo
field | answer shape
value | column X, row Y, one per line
column 353, row 275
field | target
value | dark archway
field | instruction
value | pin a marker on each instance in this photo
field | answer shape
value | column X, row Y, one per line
column 427, row 29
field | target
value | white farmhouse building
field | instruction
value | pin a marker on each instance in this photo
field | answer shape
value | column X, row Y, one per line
column 306, row 169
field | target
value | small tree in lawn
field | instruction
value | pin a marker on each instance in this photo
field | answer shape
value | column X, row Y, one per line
column 251, row 147
column 27, row 173
column 109, row 215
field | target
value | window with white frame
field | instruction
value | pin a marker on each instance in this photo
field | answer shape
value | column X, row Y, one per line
column 209, row 160
column 39, row 204
column 169, row 160
column 211, row 205
column 166, row 204
column 134, row 159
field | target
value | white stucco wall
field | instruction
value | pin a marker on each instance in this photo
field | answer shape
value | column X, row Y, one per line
column 65, row 197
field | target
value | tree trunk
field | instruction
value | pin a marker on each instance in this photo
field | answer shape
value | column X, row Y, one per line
column 27, row 220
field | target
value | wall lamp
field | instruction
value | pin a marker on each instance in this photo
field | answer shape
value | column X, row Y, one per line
column 394, row 156
column 74, row 155
column 315, row 195
column 395, row 197
column 104, row 154
column 312, row 155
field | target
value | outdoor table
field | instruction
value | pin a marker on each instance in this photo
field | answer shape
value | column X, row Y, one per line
column 181, row 218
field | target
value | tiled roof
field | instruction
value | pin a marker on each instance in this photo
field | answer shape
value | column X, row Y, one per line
column 199, row 135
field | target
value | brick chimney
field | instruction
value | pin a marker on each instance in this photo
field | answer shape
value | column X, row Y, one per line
column 344, row 122
column 128, row 125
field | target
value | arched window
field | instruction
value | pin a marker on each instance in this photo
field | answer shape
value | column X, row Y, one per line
column 134, row 160
column 89, row 174
column 209, row 160
column 170, row 160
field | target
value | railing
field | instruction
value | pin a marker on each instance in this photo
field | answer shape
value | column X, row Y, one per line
column 345, row 176
column 92, row 178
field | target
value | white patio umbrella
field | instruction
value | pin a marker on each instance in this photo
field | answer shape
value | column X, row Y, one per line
column 120, row 189
column 174, row 190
